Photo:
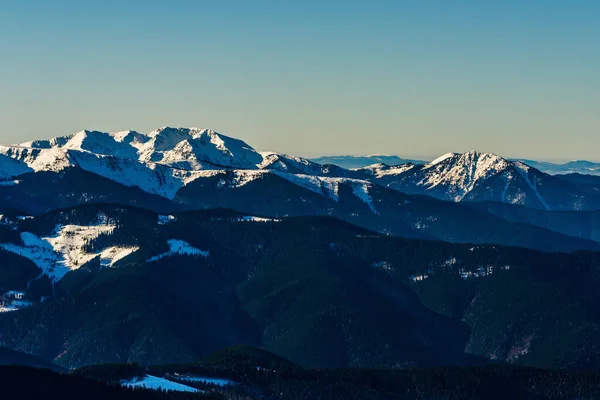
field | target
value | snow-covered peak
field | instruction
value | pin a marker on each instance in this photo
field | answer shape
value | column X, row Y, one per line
column 175, row 145
column 468, row 159
column 101, row 143
column 189, row 149
column 46, row 143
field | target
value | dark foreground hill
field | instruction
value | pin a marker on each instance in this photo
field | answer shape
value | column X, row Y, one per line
column 248, row 373
column 12, row 357
column 18, row 382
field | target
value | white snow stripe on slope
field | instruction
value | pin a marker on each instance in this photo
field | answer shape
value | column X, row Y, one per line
column 362, row 192
column 165, row 219
column 524, row 171
column 110, row 255
column 156, row 383
column 179, row 247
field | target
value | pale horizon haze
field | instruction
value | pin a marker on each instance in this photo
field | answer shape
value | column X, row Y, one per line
column 411, row 78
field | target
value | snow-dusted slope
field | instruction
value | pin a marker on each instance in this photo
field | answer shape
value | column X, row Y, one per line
column 381, row 170
column 461, row 172
column 454, row 173
column 122, row 144
column 183, row 148
column 167, row 159
column 10, row 167
column 63, row 251
column 188, row 148
column 157, row 383
column 290, row 164
column 475, row 176
column 17, row 160
column 179, row 247
column 193, row 146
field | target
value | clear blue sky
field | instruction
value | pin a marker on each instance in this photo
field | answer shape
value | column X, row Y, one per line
column 415, row 78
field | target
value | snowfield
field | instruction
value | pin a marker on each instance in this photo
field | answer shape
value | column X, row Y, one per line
column 179, row 247
column 156, row 383
column 166, row 160
column 63, row 251
column 165, row 219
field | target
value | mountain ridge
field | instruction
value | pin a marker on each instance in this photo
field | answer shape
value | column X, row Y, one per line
column 167, row 160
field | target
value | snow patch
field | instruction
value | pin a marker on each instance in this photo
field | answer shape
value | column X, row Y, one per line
column 69, row 240
column 14, row 305
column 156, row 383
column 361, row 190
column 13, row 301
column 461, row 172
column 110, row 255
column 179, row 247
column 257, row 219
column 382, row 170
column 243, row 177
column 62, row 252
column 165, row 219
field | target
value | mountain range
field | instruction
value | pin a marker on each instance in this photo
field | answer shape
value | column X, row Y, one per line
column 350, row 162
column 188, row 169
column 582, row 167
column 169, row 162
column 164, row 247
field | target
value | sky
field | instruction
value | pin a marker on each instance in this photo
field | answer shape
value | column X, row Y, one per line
column 413, row 78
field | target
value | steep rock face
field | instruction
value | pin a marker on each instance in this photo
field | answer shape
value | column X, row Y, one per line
column 177, row 145
column 475, row 176
column 458, row 174
column 450, row 177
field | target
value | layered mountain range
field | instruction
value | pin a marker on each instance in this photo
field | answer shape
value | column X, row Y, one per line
column 167, row 160
column 173, row 169
column 581, row 167
column 114, row 244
